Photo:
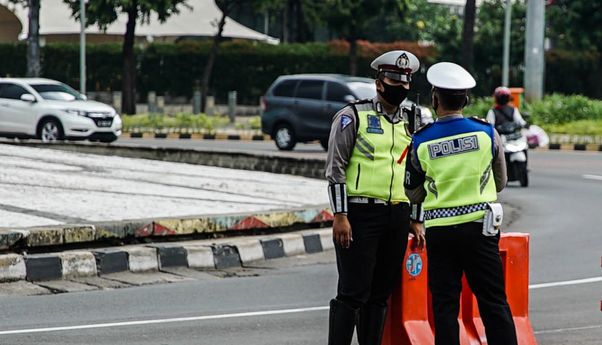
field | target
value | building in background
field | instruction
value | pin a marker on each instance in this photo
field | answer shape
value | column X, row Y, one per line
column 57, row 25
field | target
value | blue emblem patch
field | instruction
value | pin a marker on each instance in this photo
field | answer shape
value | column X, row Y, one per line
column 346, row 120
column 374, row 125
column 414, row 264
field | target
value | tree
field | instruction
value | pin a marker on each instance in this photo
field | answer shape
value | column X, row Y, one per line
column 489, row 40
column 575, row 24
column 297, row 17
column 470, row 10
column 227, row 7
column 105, row 12
column 350, row 18
column 33, row 36
column 425, row 22
column 33, row 39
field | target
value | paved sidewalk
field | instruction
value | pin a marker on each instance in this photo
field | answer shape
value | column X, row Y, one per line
column 42, row 187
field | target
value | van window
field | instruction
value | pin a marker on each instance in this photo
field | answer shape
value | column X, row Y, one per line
column 337, row 92
column 310, row 89
column 285, row 89
column 11, row 91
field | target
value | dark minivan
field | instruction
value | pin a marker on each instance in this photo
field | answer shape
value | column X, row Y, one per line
column 299, row 108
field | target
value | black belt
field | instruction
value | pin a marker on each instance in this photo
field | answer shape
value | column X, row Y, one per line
column 454, row 211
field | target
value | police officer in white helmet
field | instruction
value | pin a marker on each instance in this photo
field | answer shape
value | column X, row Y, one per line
column 364, row 167
column 455, row 169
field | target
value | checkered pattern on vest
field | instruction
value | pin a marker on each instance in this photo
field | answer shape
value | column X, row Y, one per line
column 454, row 211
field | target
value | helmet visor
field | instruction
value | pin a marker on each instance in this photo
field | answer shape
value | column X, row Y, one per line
column 406, row 78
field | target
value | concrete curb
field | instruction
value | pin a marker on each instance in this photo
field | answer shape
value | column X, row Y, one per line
column 572, row 147
column 58, row 235
column 265, row 137
column 206, row 254
column 196, row 136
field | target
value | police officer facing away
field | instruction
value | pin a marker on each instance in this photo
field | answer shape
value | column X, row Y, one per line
column 456, row 167
column 365, row 174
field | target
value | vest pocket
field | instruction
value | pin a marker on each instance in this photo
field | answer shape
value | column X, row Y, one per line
column 357, row 179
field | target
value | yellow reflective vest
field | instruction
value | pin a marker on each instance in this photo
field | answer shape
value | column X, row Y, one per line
column 456, row 157
column 375, row 168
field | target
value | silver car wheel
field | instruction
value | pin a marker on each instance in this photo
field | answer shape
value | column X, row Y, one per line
column 50, row 132
column 283, row 137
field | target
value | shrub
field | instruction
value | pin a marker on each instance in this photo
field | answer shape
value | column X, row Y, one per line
column 582, row 127
column 559, row 109
column 180, row 120
column 479, row 107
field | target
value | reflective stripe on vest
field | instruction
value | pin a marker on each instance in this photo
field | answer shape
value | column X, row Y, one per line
column 373, row 169
column 458, row 176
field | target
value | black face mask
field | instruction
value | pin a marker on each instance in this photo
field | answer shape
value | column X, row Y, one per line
column 393, row 94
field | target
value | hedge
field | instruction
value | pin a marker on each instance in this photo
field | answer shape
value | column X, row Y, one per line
column 175, row 69
column 555, row 110
column 250, row 67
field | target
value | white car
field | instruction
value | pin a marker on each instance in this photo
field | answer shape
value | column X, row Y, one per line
column 50, row 110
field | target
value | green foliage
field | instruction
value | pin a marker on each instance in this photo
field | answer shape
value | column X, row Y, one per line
column 575, row 24
column 479, row 107
column 105, row 12
column 14, row 63
column 571, row 71
column 582, row 127
column 180, row 120
column 488, row 46
column 352, row 18
column 560, row 109
column 254, row 122
column 247, row 67
column 250, row 68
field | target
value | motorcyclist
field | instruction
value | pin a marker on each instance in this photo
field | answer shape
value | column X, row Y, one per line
column 502, row 112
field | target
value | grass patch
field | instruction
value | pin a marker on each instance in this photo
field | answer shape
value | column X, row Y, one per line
column 180, row 120
column 581, row 127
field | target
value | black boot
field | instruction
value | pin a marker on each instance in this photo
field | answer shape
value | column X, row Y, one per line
column 341, row 323
column 371, row 324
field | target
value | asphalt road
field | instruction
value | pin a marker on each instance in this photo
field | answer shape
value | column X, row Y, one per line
column 560, row 210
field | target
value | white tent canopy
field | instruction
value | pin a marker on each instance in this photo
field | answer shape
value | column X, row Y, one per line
column 199, row 20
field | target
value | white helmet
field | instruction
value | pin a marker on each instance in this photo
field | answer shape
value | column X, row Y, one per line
column 450, row 76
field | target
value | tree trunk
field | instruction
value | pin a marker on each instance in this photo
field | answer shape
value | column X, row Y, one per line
column 213, row 55
column 301, row 28
column 285, row 23
column 352, row 54
column 33, row 39
column 128, row 97
column 468, row 34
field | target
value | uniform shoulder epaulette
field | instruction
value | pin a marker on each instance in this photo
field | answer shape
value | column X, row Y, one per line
column 362, row 101
column 423, row 127
column 478, row 119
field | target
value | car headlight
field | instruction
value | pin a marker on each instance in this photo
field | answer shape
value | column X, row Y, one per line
column 75, row 112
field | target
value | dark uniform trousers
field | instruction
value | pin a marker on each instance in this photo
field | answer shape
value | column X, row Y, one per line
column 371, row 266
column 452, row 250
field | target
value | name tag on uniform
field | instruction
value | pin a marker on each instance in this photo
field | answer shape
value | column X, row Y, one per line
column 453, row 147
column 374, row 125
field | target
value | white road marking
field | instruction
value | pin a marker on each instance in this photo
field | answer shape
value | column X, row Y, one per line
column 269, row 312
column 560, row 330
column 150, row 322
column 566, row 282
column 592, row 177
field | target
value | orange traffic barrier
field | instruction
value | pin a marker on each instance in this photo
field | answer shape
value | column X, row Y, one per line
column 410, row 319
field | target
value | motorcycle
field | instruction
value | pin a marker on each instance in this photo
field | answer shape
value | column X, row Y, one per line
column 515, row 145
